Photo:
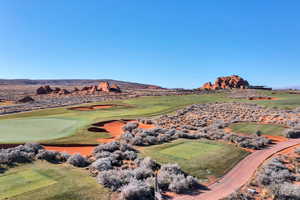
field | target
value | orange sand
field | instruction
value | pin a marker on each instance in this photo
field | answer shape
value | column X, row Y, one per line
column 86, row 151
column 7, row 103
column 89, row 108
column 276, row 138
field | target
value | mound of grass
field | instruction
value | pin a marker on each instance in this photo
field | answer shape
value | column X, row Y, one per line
column 200, row 158
column 250, row 128
column 44, row 181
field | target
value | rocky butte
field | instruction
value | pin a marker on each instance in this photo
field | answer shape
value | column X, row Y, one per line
column 227, row 82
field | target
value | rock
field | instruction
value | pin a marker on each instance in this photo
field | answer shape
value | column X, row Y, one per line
column 227, row 82
column 115, row 88
column 26, row 99
column 63, row 92
column 104, row 86
column 44, row 90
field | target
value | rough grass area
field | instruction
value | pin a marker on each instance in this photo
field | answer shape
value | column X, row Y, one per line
column 251, row 128
column 78, row 133
column 44, row 181
column 200, row 158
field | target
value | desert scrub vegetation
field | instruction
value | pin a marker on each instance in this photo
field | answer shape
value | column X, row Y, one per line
column 118, row 167
column 276, row 178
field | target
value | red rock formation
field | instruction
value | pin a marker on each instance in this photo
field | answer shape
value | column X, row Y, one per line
column 104, row 86
column 227, row 82
column 115, row 88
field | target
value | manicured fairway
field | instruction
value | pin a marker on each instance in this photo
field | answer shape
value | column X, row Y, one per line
column 200, row 158
column 44, row 181
column 251, row 128
column 71, row 126
column 35, row 129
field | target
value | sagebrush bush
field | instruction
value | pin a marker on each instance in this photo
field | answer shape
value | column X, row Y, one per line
column 102, row 164
column 78, row 160
column 114, row 179
column 137, row 190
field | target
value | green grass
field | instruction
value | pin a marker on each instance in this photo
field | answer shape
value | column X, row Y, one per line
column 35, row 129
column 58, row 132
column 285, row 100
column 200, row 158
column 250, row 128
column 44, row 181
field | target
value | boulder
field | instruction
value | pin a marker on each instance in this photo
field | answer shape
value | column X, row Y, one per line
column 115, row 88
column 227, row 82
column 26, row 99
column 44, row 90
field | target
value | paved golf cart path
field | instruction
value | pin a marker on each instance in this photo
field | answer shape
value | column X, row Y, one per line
column 240, row 174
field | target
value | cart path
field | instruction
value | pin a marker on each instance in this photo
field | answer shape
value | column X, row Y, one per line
column 240, row 174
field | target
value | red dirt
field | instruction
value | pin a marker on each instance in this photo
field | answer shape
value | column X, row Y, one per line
column 276, row 138
column 86, row 151
column 90, row 108
column 262, row 98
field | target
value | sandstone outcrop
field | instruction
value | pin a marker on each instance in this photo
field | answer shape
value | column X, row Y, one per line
column 227, row 82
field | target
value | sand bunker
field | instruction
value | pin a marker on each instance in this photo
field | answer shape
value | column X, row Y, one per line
column 91, row 108
column 7, row 103
column 114, row 128
column 262, row 98
column 86, row 150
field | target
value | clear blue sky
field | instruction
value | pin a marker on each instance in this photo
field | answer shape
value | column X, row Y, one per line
column 164, row 42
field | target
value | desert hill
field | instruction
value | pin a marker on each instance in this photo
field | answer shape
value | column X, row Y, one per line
column 76, row 82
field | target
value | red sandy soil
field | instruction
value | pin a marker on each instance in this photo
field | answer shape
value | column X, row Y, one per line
column 240, row 174
column 90, row 108
column 115, row 130
column 262, row 98
column 276, row 138
column 86, row 151
column 7, row 103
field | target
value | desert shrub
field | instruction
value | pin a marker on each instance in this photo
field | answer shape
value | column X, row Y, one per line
column 50, row 156
column 141, row 173
column 147, row 163
column 297, row 151
column 102, row 164
column 33, row 147
column 286, row 191
column 171, row 169
column 138, row 141
column 114, row 179
column 130, row 126
column 110, row 147
column 292, row 133
column 181, row 184
column 151, row 140
column 64, row 156
column 137, row 190
column 4, row 158
column 127, row 137
column 78, row 160
column 129, row 155
column 17, row 156
column 127, row 147
column 102, row 154
column 239, row 196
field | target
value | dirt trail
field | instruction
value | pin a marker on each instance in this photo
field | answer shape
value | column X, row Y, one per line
column 240, row 174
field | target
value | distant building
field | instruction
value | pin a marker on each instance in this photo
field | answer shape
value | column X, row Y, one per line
column 259, row 87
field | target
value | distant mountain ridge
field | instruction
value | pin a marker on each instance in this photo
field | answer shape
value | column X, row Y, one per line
column 77, row 82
